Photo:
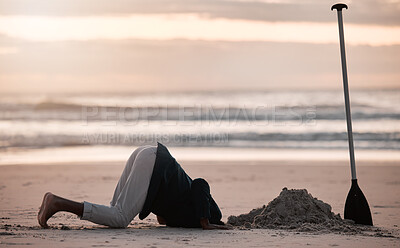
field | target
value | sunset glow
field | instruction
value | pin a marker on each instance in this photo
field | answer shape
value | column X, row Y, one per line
column 191, row 27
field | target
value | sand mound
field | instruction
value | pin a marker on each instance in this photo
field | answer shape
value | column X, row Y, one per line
column 298, row 210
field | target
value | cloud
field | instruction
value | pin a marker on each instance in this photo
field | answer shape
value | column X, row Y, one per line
column 146, row 65
column 189, row 26
column 8, row 50
column 378, row 12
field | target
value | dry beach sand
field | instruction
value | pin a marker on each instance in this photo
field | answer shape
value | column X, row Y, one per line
column 238, row 187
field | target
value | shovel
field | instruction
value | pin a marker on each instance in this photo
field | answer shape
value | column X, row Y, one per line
column 356, row 207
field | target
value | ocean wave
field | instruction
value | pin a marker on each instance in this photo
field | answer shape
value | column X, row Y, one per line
column 268, row 140
column 241, row 119
column 63, row 111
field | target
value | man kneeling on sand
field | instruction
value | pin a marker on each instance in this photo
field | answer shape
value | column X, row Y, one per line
column 152, row 181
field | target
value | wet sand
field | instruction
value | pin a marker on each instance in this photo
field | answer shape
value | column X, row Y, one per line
column 237, row 187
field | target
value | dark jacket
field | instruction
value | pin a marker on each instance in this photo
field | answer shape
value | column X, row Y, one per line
column 170, row 194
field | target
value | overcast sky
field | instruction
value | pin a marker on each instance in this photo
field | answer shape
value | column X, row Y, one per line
column 98, row 45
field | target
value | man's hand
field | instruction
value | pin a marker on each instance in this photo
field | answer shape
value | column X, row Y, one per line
column 161, row 220
column 205, row 224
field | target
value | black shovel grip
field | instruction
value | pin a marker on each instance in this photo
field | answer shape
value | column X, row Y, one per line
column 339, row 6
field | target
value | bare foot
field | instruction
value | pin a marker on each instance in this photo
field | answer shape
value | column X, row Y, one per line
column 47, row 209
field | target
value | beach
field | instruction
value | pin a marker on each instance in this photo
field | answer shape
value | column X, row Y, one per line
column 248, row 145
column 237, row 186
column 252, row 96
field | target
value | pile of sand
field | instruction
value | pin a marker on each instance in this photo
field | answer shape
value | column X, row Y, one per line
column 298, row 210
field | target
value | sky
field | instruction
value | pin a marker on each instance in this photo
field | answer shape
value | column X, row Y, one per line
column 72, row 46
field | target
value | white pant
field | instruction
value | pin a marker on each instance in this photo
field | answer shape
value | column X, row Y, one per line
column 130, row 193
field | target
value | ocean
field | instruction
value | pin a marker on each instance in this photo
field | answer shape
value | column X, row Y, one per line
column 291, row 120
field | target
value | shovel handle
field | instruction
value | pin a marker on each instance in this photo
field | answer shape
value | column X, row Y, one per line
column 339, row 8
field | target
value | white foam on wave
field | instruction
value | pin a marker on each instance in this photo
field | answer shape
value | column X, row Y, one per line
column 121, row 154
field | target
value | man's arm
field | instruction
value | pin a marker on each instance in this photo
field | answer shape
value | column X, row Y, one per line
column 206, row 225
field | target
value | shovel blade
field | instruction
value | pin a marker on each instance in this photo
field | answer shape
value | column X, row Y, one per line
column 356, row 207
